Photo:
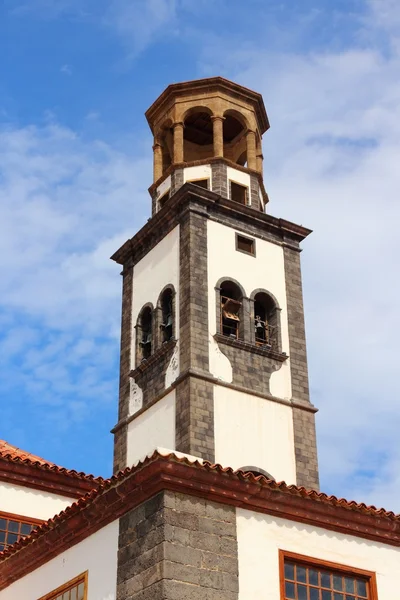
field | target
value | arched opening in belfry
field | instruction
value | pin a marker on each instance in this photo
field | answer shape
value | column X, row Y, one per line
column 167, row 325
column 146, row 325
column 167, row 145
column 198, row 135
column 231, row 309
column 265, row 321
column 234, row 135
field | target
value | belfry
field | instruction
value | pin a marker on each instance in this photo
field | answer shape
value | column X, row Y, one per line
column 213, row 352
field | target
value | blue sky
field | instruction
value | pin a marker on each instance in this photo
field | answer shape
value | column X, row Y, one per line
column 75, row 164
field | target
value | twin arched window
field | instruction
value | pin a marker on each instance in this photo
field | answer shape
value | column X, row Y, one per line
column 155, row 327
column 254, row 320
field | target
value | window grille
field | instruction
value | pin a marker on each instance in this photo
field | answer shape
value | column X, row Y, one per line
column 305, row 579
column 76, row 589
column 14, row 527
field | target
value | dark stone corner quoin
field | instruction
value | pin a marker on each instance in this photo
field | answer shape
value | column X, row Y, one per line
column 177, row 546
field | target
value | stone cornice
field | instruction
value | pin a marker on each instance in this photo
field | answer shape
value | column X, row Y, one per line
column 210, row 84
column 192, row 197
column 161, row 472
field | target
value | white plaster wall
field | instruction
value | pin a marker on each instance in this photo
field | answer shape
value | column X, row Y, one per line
column 238, row 176
column 251, row 431
column 164, row 187
column 28, row 502
column 199, row 172
column 157, row 269
column 265, row 270
column 154, row 427
column 261, row 536
column 96, row 554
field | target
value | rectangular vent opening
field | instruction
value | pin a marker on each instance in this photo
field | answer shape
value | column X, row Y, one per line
column 245, row 244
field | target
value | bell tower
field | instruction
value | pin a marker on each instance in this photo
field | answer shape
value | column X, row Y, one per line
column 213, row 352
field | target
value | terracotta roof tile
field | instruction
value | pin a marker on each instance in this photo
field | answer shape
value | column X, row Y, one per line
column 15, row 455
column 8, row 450
column 228, row 472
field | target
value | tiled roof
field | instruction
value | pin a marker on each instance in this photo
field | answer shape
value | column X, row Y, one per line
column 9, row 451
column 22, row 468
column 274, row 493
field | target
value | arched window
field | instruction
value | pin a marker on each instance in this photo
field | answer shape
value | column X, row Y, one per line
column 231, row 304
column 146, row 325
column 167, row 315
column 265, row 321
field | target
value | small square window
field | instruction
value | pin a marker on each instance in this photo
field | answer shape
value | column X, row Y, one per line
column 245, row 244
column 239, row 193
column 163, row 199
column 203, row 183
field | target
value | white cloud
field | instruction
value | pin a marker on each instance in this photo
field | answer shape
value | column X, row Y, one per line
column 65, row 206
column 66, row 69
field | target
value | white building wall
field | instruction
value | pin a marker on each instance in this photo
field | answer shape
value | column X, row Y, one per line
column 251, row 431
column 238, row 176
column 96, row 554
column 28, row 502
column 265, row 270
column 199, row 172
column 260, row 537
column 154, row 427
column 157, row 269
column 164, row 187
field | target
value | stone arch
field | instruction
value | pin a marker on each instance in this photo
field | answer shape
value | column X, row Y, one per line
column 257, row 471
column 230, row 312
column 198, row 135
column 234, row 129
column 266, row 322
column 165, row 326
column 165, row 139
column 144, row 333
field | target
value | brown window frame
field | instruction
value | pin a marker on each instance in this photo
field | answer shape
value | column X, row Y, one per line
column 246, row 192
column 336, row 568
column 196, row 182
column 163, row 199
column 245, row 237
column 23, row 520
column 82, row 578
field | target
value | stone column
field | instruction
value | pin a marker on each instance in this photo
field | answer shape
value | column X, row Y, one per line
column 178, row 142
column 251, row 150
column 218, row 135
column 157, row 161
column 260, row 159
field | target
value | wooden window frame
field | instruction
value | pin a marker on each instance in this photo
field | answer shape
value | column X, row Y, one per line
column 194, row 181
column 319, row 563
column 20, row 519
column 245, row 187
column 245, row 237
column 82, row 578
column 162, row 200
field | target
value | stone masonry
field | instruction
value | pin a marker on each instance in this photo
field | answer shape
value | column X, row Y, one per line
column 303, row 419
column 120, row 436
column 194, row 397
column 176, row 547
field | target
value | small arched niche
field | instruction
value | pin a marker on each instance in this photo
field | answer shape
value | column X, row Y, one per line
column 234, row 135
column 198, row 134
column 231, row 314
column 266, row 321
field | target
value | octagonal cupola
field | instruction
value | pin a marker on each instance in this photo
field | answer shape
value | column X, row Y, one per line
column 209, row 132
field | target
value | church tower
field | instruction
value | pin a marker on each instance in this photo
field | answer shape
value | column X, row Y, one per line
column 213, row 352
